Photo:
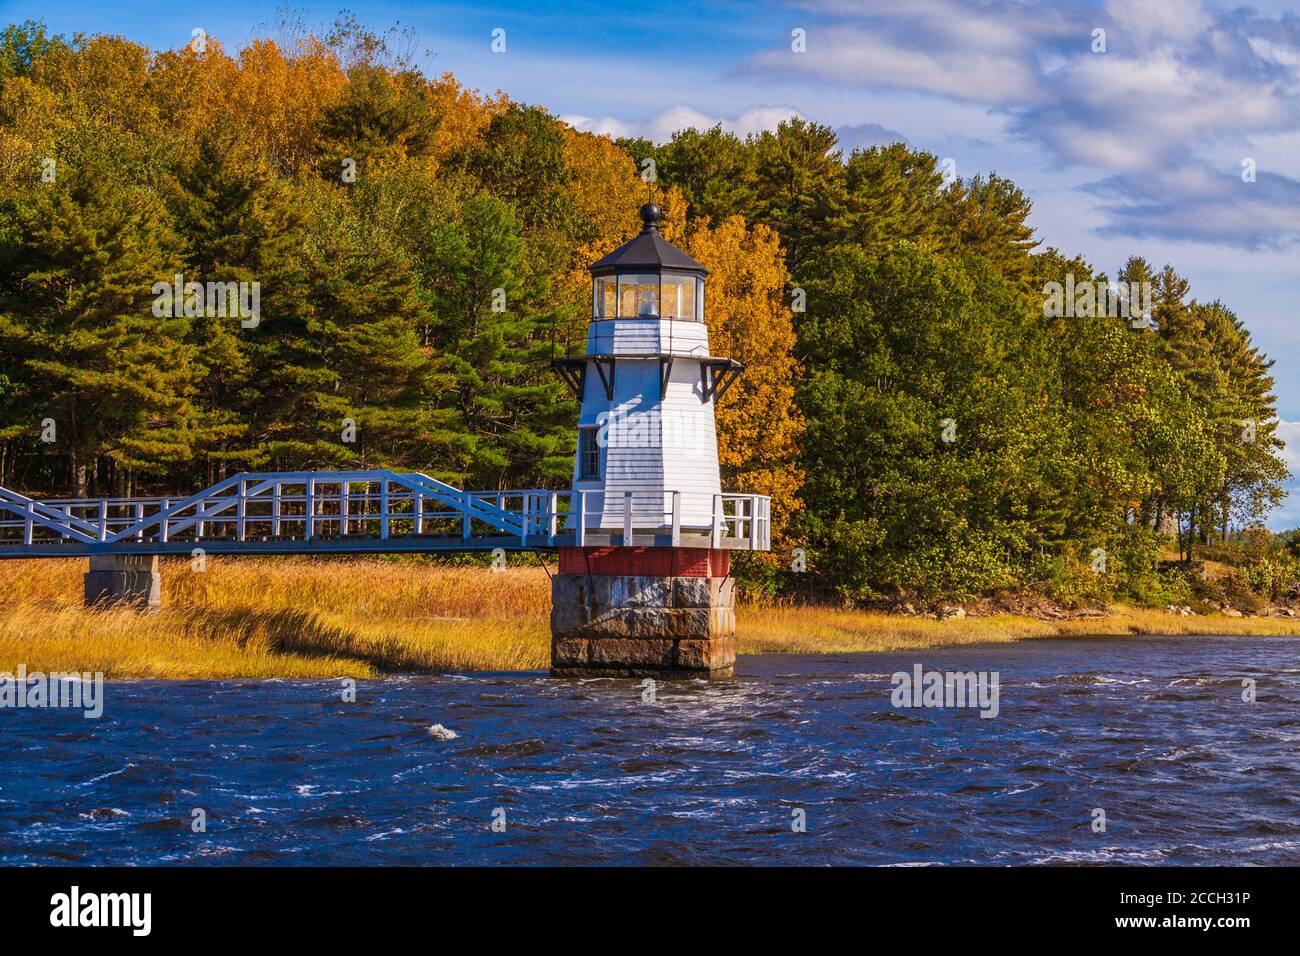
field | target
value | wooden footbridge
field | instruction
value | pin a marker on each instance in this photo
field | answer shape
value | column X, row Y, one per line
column 362, row 512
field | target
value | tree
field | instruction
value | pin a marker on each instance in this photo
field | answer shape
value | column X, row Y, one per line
column 240, row 225
column 115, row 376
column 714, row 171
column 891, row 193
column 495, row 348
column 989, row 218
column 380, row 118
column 798, row 178
column 934, row 447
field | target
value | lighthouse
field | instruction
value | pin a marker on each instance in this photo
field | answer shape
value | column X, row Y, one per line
column 645, row 589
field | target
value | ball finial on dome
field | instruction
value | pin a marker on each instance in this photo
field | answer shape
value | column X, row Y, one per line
column 650, row 215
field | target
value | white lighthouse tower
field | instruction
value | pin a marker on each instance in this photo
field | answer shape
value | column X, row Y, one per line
column 648, row 386
column 645, row 588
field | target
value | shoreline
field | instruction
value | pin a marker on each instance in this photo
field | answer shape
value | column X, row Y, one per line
column 368, row 618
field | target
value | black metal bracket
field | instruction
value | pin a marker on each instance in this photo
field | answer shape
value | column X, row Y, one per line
column 717, row 375
column 607, row 382
column 574, row 373
column 665, row 370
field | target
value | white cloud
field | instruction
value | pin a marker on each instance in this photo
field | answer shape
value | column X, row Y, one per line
column 859, row 56
column 1179, row 88
column 1163, row 21
column 1289, row 433
column 661, row 127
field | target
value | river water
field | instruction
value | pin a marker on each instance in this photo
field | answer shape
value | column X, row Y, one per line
column 1153, row 732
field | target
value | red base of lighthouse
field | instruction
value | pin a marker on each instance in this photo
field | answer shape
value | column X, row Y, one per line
column 643, row 612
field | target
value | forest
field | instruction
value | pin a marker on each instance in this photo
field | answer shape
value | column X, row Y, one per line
column 928, row 420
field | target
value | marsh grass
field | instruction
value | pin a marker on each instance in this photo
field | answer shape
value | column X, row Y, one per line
column 831, row 630
column 281, row 617
column 363, row 617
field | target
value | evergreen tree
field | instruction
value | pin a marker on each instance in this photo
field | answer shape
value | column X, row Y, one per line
column 497, row 350
column 240, row 226
column 891, row 193
column 799, row 181
column 714, row 171
column 115, row 376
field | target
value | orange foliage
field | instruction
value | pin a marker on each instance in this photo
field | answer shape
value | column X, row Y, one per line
column 463, row 114
column 281, row 100
column 607, row 190
column 759, row 426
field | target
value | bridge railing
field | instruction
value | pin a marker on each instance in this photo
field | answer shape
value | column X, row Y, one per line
column 252, row 512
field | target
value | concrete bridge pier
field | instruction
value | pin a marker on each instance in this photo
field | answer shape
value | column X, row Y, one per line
column 130, row 580
column 643, row 612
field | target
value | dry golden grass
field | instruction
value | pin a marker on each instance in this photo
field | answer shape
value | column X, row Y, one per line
column 304, row 617
column 281, row 617
column 830, row 630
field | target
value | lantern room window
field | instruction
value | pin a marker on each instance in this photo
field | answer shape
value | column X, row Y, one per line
column 606, row 305
column 678, row 294
column 648, row 296
column 638, row 296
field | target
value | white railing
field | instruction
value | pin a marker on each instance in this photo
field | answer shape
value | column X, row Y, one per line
column 360, row 507
column 734, row 520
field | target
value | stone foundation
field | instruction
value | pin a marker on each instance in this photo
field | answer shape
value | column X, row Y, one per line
column 131, row 580
column 643, row 612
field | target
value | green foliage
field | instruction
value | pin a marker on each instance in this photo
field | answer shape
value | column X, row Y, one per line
column 21, row 44
column 116, row 378
column 935, row 450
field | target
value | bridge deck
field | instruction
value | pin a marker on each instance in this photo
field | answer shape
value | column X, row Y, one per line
column 356, row 512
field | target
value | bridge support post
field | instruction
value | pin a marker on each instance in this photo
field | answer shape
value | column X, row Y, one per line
column 130, row 580
column 643, row 612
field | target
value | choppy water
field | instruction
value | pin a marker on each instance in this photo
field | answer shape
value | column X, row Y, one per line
column 1153, row 731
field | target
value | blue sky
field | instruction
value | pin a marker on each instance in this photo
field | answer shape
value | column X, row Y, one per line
column 1135, row 150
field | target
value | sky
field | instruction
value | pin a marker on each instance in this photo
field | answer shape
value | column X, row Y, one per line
column 1134, row 140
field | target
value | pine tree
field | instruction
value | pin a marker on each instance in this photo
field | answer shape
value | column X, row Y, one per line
column 497, row 350
column 240, row 226
column 114, row 375
column 799, row 181
column 345, row 382
column 989, row 218
column 891, row 193
column 714, row 171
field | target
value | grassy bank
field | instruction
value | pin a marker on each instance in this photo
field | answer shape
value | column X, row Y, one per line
column 296, row 617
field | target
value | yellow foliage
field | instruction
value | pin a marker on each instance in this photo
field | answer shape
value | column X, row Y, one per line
column 604, row 184
column 463, row 115
column 281, row 100
column 759, row 425
column 607, row 191
column 29, row 117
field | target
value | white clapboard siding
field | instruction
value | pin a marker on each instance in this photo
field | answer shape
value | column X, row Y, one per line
column 647, row 337
column 690, row 444
column 655, row 443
